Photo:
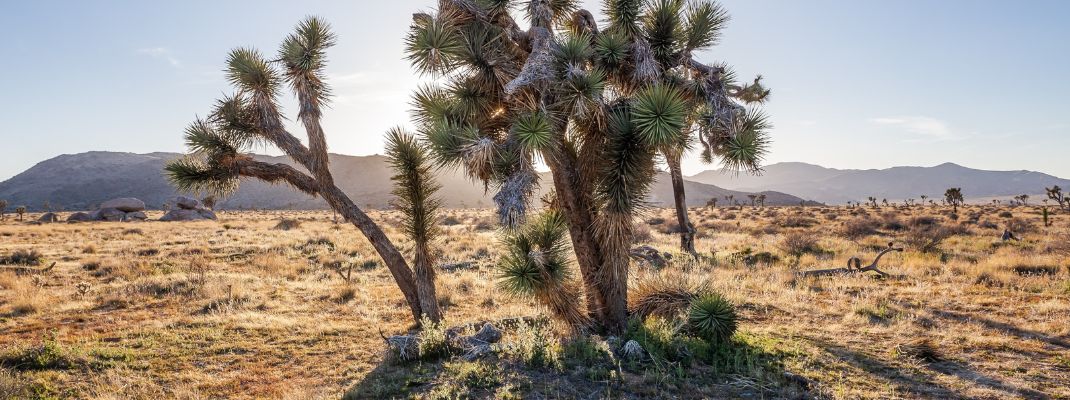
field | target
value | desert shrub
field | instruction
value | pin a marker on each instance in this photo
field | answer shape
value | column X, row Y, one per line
column 1020, row 225
column 450, row 220
column 890, row 221
column 748, row 257
column 1006, row 214
column 986, row 224
column 859, row 227
column 535, row 345
column 287, row 224
column 642, row 234
column 927, row 238
column 797, row 243
column 664, row 295
column 433, row 340
column 921, row 349
column 483, row 225
column 656, row 221
column 1035, row 269
column 22, row 257
column 988, row 280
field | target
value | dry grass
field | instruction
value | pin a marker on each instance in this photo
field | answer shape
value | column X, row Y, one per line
column 240, row 309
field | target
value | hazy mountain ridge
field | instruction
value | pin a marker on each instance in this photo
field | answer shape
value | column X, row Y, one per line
column 837, row 186
column 82, row 181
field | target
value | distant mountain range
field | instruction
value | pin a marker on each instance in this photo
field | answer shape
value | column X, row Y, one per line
column 82, row 181
column 838, row 186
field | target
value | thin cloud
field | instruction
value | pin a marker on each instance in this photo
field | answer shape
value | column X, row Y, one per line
column 923, row 128
column 161, row 53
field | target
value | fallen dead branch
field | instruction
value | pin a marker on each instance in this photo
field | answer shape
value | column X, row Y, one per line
column 24, row 270
column 854, row 266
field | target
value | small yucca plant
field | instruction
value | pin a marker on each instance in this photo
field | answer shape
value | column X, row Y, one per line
column 536, row 264
column 712, row 317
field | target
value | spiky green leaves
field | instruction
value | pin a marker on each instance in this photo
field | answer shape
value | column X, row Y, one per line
column 536, row 255
column 305, row 49
column 659, row 114
column 623, row 16
column 249, row 71
column 704, row 22
column 432, row 44
column 747, row 148
column 193, row 174
column 303, row 53
column 573, row 50
column 628, row 168
column 414, row 185
column 612, row 50
column 663, row 29
column 533, row 131
column 713, row 318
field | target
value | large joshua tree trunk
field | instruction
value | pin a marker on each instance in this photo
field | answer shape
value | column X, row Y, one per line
column 687, row 229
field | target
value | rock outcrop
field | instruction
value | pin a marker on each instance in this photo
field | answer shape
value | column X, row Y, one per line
column 189, row 209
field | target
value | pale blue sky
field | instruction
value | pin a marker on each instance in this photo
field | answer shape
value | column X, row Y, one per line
column 857, row 84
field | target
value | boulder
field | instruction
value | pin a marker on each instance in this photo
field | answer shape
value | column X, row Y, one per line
column 186, row 203
column 108, row 214
column 125, row 204
column 136, row 216
column 206, row 213
column 79, row 217
column 182, row 215
column 48, row 217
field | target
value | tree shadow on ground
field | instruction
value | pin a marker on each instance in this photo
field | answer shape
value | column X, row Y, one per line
column 1003, row 327
column 925, row 386
column 916, row 385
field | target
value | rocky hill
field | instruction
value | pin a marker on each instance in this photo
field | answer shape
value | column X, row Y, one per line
column 82, row 181
column 837, row 186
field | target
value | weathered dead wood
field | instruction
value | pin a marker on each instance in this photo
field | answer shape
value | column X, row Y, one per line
column 854, row 266
column 24, row 270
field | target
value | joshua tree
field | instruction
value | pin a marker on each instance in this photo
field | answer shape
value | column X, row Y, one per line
column 753, row 199
column 1023, row 199
column 20, row 210
column 923, row 197
column 872, row 201
column 597, row 105
column 953, row 196
column 885, row 202
column 252, row 116
column 1056, row 193
column 3, row 208
column 761, row 199
column 712, row 202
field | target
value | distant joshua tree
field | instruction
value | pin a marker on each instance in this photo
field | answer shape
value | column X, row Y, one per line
column 1056, row 193
column 885, row 202
column 1022, row 199
column 20, row 210
column 712, row 202
column 753, row 199
column 761, row 200
column 953, row 196
column 219, row 148
column 923, row 197
column 872, row 201
column 3, row 208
